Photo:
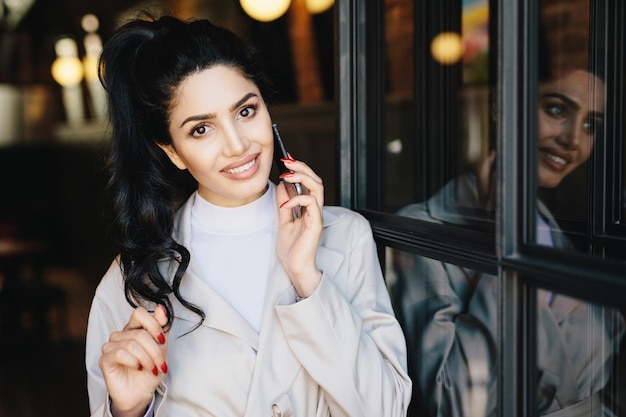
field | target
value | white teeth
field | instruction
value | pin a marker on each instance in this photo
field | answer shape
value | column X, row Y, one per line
column 555, row 158
column 241, row 168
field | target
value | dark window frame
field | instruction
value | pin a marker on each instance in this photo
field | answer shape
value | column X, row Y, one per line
column 522, row 266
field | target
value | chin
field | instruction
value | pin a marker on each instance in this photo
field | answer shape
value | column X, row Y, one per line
column 549, row 184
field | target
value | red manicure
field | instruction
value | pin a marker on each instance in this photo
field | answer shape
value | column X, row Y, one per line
column 287, row 160
column 286, row 174
column 161, row 338
column 281, row 206
column 140, row 368
column 155, row 371
column 164, row 367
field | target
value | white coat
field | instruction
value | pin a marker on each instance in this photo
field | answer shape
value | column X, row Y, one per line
column 340, row 352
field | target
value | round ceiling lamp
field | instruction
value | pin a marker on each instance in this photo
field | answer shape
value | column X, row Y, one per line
column 318, row 6
column 447, row 48
column 265, row 10
column 67, row 69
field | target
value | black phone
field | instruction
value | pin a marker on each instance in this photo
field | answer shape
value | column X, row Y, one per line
column 293, row 189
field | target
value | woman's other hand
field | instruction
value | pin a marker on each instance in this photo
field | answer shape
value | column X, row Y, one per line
column 298, row 238
column 133, row 362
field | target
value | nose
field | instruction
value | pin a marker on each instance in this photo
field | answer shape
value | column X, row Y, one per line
column 569, row 135
column 234, row 142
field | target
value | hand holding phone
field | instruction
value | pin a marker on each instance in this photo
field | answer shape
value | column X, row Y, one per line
column 293, row 189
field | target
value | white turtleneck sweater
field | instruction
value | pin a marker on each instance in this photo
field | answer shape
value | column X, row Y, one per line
column 232, row 247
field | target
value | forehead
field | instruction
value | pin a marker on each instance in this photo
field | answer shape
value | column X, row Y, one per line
column 211, row 90
column 581, row 86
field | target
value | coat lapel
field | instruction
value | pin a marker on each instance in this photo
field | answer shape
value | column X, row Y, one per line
column 219, row 314
column 276, row 366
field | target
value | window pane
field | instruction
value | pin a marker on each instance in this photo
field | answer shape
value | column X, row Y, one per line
column 439, row 149
column 450, row 319
column 580, row 357
column 402, row 176
column 571, row 107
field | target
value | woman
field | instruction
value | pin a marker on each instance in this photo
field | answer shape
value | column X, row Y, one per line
column 228, row 305
column 450, row 313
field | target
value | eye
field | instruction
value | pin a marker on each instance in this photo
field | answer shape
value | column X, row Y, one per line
column 591, row 125
column 555, row 110
column 199, row 130
column 247, row 111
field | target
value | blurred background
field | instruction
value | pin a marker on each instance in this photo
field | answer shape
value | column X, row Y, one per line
column 54, row 246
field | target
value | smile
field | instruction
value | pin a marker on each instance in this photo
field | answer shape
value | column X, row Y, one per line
column 554, row 158
column 242, row 168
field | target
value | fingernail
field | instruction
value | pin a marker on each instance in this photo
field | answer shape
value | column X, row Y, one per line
column 290, row 160
column 140, row 368
column 286, row 174
column 282, row 205
column 155, row 371
column 161, row 338
column 164, row 367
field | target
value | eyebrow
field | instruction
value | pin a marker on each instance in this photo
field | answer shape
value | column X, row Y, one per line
column 563, row 98
column 205, row 116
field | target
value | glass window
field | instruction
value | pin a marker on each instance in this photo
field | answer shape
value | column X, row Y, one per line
column 449, row 314
column 440, row 161
column 571, row 109
column 580, row 357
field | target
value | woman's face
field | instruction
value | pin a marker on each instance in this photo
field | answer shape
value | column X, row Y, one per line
column 571, row 108
column 222, row 133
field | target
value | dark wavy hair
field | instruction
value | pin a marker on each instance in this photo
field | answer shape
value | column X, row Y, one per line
column 141, row 66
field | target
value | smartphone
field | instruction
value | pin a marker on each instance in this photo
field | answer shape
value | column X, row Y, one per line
column 293, row 189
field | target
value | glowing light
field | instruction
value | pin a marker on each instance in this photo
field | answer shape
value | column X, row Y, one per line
column 447, row 48
column 90, row 23
column 67, row 69
column 318, row 6
column 265, row 10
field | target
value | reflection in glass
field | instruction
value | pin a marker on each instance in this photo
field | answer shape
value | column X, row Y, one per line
column 453, row 134
column 450, row 319
column 399, row 102
column 570, row 117
column 578, row 346
column 571, row 110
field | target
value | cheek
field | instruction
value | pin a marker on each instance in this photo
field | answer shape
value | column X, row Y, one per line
column 586, row 146
column 548, row 128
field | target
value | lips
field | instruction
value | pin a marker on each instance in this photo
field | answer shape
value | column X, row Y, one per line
column 555, row 158
column 242, row 168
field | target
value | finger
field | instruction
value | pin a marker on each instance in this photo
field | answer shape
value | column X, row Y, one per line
column 309, row 185
column 299, row 166
column 160, row 314
column 143, row 319
column 129, row 354
column 284, row 213
column 309, row 206
column 140, row 344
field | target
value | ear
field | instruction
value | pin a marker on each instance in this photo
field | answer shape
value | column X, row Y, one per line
column 173, row 155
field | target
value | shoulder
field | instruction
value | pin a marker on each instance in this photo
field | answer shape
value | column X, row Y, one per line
column 110, row 292
column 109, row 308
column 342, row 225
column 113, row 281
column 343, row 217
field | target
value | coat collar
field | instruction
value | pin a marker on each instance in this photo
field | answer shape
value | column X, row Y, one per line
column 219, row 313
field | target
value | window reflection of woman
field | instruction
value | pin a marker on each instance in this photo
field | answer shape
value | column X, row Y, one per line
column 450, row 313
